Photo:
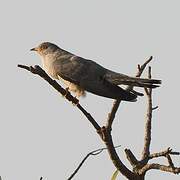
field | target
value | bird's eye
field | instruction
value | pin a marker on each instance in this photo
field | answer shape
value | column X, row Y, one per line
column 43, row 47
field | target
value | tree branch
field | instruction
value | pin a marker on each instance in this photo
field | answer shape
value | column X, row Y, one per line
column 147, row 167
column 112, row 114
column 143, row 167
column 93, row 153
column 160, row 154
column 106, row 132
column 39, row 71
column 107, row 138
column 166, row 154
column 140, row 70
column 147, row 137
column 171, row 164
column 116, row 103
column 131, row 158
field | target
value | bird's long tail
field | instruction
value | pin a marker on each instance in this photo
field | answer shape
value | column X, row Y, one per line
column 140, row 82
column 121, row 79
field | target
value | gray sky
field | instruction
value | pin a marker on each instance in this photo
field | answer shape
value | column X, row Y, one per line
column 41, row 134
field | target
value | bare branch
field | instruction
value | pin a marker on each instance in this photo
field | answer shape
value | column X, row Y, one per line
column 131, row 158
column 154, row 108
column 112, row 114
column 93, row 153
column 147, row 167
column 166, row 154
column 106, row 131
column 89, row 117
column 147, row 136
column 171, row 164
column 149, row 72
column 146, row 91
column 39, row 71
column 140, row 70
column 106, row 134
column 160, row 154
column 96, row 152
column 142, row 67
column 116, row 103
column 175, row 153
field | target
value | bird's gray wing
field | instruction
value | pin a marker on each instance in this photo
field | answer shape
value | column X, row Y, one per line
column 73, row 69
column 90, row 76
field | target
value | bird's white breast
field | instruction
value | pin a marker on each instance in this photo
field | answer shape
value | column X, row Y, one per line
column 48, row 65
column 73, row 87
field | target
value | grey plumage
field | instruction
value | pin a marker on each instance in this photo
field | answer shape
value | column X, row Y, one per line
column 82, row 75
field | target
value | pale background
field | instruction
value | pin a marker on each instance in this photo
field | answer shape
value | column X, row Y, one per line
column 41, row 134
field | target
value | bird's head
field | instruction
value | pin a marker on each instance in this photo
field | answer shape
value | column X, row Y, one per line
column 45, row 48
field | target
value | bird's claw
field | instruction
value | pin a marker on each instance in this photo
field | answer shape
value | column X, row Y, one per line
column 67, row 91
column 75, row 101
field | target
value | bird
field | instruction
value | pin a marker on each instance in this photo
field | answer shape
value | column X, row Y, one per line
column 81, row 75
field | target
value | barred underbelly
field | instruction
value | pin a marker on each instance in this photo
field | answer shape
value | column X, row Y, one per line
column 73, row 87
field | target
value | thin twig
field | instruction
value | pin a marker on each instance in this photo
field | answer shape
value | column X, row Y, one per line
column 168, row 151
column 93, row 153
column 154, row 108
column 160, row 154
column 171, row 164
column 142, row 67
column 147, row 167
column 175, row 153
column 140, row 70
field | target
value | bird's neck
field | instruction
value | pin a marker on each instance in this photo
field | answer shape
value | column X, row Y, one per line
column 49, row 59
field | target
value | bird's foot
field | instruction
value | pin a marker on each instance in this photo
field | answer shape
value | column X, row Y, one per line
column 67, row 91
column 76, row 101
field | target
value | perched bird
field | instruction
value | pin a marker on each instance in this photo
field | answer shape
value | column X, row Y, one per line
column 80, row 75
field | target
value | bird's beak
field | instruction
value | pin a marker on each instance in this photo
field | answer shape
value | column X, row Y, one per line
column 33, row 49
